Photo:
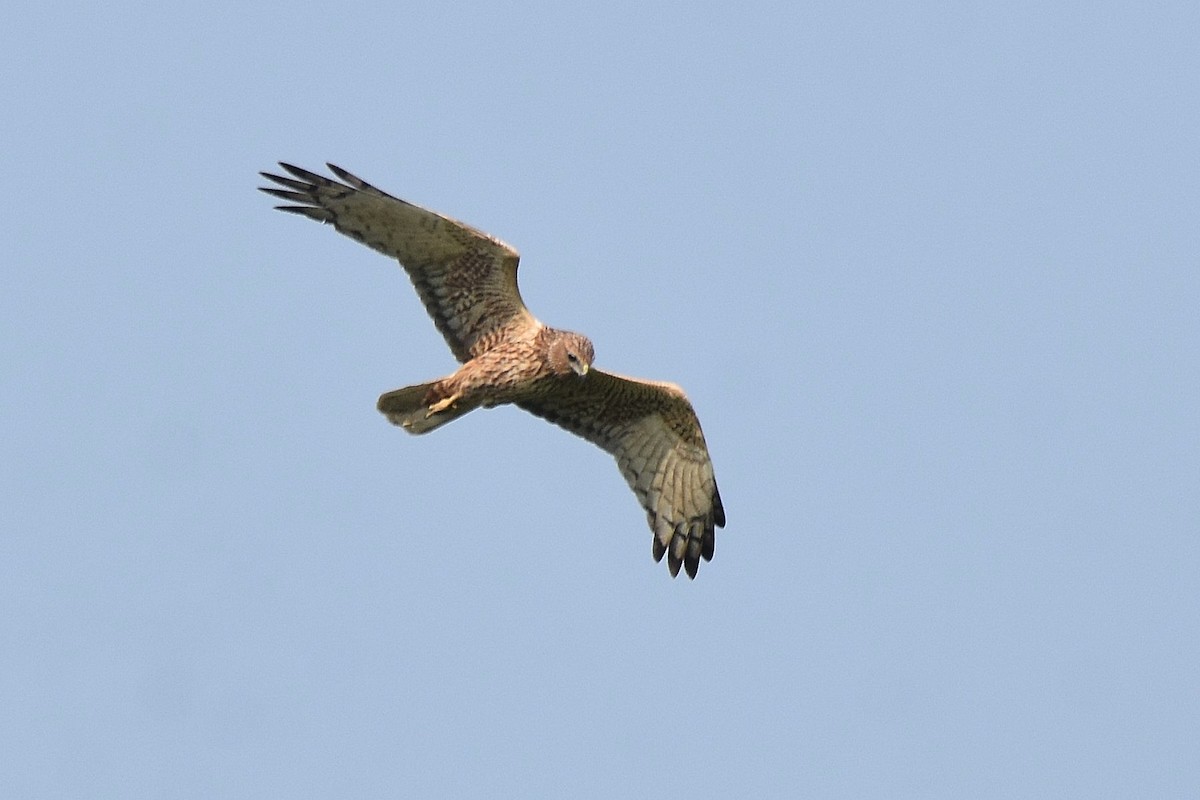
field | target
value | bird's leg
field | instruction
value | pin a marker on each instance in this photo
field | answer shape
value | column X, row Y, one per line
column 443, row 404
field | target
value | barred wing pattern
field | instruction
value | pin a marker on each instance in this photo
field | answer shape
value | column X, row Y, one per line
column 466, row 278
column 653, row 432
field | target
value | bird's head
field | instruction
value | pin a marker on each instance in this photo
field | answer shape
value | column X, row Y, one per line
column 571, row 353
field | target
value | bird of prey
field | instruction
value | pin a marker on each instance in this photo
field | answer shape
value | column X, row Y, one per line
column 468, row 283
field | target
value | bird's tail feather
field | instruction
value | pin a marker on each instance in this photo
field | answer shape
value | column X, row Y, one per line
column 407, row 408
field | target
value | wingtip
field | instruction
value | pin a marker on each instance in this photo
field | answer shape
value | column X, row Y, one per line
column 304, row 174
column 286, row 194
column 657, row 549
column 694, row 550
column 349, row 177
column 312, row 212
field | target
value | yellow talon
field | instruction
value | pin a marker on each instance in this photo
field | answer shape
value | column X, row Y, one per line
column 441, row 405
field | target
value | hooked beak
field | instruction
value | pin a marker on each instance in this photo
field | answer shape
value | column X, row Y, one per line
column 580, row 368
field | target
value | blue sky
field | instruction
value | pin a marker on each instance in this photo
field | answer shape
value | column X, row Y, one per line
column 928, row 272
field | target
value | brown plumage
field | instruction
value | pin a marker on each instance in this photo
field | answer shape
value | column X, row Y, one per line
column 468, row 283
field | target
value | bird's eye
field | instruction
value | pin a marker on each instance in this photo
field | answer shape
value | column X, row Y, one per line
column 572, row 357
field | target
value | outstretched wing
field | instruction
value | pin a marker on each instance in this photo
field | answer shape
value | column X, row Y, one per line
column 655, row 436
column 466, row 279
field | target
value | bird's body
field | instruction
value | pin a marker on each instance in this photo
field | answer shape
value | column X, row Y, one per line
column 467, row 281
column 520, row 369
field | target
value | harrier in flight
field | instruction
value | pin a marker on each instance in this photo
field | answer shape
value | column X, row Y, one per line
column 468, row 283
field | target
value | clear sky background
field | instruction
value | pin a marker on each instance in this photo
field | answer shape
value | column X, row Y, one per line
column 928, row 271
